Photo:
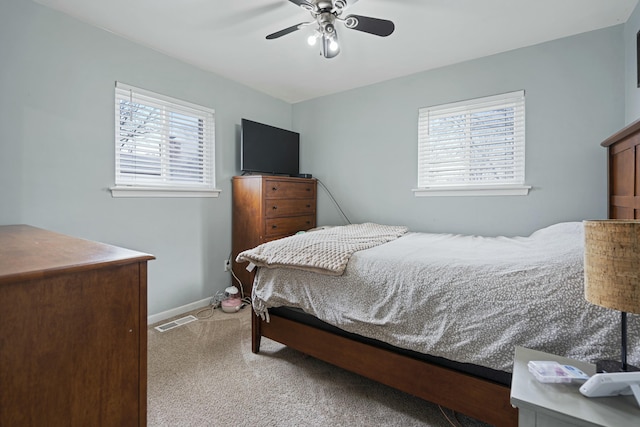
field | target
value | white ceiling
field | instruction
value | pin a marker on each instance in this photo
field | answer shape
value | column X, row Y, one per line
column 227, row 37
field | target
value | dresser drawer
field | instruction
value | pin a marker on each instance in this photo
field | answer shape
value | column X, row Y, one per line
column 276, row 189
column 287, row 207
column 289, row 225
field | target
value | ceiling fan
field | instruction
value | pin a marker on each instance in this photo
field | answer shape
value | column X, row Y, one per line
column 325, row 13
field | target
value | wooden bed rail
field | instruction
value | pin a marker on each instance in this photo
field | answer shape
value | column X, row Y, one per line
column 472, row 396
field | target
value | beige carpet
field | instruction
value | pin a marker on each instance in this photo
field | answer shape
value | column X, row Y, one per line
column 204, row 374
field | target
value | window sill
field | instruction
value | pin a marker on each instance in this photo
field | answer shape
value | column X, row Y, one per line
column 126, row 191
column 485, row 190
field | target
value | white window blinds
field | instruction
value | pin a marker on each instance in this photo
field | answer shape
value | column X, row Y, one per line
column 162, row 142
column 474, row 143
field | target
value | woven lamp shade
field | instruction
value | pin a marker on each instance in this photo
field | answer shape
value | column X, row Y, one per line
column 612, row 264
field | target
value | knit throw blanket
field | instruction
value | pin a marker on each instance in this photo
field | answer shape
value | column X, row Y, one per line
column 324, row 251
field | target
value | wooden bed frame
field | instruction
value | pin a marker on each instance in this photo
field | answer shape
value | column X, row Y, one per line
column 473, row 396
column 478, row 398
column 624, row 172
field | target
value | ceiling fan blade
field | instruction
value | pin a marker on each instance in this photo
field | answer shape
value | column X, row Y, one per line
column 303, row 4
column 379, row 27
column 284, row 32
column 343, row 4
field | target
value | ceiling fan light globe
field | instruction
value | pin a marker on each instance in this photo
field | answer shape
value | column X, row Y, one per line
column 311, row 40
column 333, row 45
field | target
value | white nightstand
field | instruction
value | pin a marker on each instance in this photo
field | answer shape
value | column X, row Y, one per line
column 560, row 405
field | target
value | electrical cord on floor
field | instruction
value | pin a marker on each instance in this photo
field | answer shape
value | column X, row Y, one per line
column 454, row 424
column 211, row 308
column 215, row 303
column 208, row 309
column 334, row 200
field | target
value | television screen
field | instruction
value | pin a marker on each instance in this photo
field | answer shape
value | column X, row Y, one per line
column 268, row 149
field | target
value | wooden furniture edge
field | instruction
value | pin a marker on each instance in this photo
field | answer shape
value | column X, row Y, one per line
column 482, row 399
column 100, row 254
column 622, row 133
column 142, row 330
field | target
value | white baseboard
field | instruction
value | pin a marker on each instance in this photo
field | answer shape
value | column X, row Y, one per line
column 159, row 317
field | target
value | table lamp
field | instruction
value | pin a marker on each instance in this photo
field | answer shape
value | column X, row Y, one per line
column 612, row 275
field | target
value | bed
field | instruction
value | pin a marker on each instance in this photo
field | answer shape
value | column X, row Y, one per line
column 461, row 357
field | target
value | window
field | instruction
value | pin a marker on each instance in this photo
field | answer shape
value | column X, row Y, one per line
column 473, row 147
column 163, row 146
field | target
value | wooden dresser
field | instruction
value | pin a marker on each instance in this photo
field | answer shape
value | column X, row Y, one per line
column 624, row 172
column 267, row 208
column 73, row 332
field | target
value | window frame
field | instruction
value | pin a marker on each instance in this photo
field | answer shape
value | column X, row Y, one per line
column 165, row 183
column 465, row 186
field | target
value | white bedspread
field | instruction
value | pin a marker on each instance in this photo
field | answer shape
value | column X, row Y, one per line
column 466, row 298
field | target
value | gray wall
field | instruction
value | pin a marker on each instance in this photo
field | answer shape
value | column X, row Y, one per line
column 57, row 158
column 363, row 143
column 632, row 93
column 56, row 154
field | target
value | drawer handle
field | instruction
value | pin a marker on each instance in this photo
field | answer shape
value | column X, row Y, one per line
column 308, row 222
column 274, row 188
column 274, row 207
column 273, row 227
column 308, row 189
column 308, row 206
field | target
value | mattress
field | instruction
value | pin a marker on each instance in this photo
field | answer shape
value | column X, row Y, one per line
column 467, row 299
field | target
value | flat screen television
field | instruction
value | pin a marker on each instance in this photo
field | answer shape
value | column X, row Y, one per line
column 268, row 149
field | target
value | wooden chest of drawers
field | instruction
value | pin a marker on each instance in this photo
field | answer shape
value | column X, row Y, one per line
column 266, row 208
column 73, row 331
